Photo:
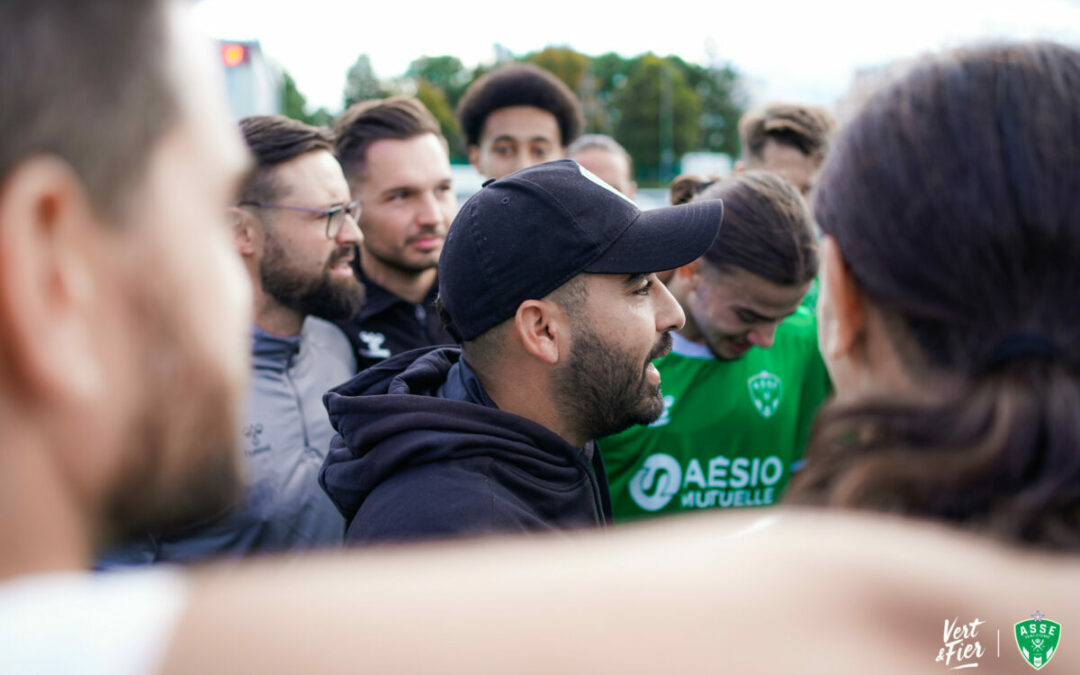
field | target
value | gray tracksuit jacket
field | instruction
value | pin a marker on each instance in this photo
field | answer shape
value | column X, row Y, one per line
column 286, row 435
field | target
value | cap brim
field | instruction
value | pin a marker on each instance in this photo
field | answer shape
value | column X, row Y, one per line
column 663, row 239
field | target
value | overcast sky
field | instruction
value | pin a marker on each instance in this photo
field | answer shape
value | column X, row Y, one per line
column 803, row 50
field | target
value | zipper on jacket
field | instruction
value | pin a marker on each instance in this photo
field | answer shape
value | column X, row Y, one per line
column 299, row 401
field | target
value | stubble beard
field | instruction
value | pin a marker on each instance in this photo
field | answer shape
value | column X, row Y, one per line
column 400, row 266
column 605, row 391
column 182, row 463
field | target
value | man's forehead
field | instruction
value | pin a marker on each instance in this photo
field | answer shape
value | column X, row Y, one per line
column 758, row 294
column 521, row 123
column 782, row 154
column 316, row 172
column 597, row 152
column 412, row 162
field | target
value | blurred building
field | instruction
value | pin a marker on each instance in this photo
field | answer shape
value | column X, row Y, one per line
column 253, row 83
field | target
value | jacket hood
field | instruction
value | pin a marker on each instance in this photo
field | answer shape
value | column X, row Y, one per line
column 390, row 418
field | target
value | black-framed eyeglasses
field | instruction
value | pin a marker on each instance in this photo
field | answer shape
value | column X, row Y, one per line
column 335, row 215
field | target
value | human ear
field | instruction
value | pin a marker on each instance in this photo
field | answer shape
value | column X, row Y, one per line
column 48, row 282
column 842, row 306
column 689, row 273
column 245, row 230
column 541, row 327
column 474, row 156
column 685, row 281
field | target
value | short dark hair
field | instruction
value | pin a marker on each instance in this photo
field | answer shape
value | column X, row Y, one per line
column 483, row 350
column 273, row 140
column 687, row 186
column 364, row 123
column 104, row 120
column 806, row 128
column 519, row 85
column 767, row 231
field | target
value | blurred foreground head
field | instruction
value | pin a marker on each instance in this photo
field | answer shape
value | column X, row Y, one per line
column 123, row 308
column 951, row 275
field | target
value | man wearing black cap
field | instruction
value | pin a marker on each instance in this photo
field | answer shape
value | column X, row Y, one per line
column 547, row 280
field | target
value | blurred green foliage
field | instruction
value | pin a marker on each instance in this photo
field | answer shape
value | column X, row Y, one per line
column 658, row 107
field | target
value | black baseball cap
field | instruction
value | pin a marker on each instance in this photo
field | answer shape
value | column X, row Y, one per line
column 524, row 235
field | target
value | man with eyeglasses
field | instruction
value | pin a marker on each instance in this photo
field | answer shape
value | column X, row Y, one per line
column 295, row 227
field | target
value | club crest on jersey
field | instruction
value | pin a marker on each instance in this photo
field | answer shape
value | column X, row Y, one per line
column 1037, row 638
column 766, row 390
column 665, row 417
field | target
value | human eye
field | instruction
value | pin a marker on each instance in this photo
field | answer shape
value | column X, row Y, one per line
column 504, row 150
column 644, row 288
column 746, row 317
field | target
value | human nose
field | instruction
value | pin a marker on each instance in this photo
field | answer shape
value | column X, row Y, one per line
column 521, row 160
column 350, row 232
column 669, row 314
column 764, row 335
column 429, row 211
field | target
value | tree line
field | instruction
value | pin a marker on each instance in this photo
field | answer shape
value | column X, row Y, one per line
column 657, row 107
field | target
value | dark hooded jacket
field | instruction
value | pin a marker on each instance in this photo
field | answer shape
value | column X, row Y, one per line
column 423, row 453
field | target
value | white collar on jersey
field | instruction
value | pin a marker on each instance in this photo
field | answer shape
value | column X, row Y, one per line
column 684, row 347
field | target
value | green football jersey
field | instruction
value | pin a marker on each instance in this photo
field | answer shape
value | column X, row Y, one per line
column 731, row 431
column 809, row 300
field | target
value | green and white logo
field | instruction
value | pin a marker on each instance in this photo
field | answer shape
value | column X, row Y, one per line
column 1037, row 638
column 765, row 391
column 656, row 482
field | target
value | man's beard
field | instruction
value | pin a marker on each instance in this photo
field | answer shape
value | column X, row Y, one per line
column 319, row 295
column 182, row 462
column 156, row 497
column 399, row 264
column 605, row 391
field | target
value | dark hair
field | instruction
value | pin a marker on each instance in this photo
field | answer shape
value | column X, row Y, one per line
column 519, row 85
column 485, row 348
column 397, row 117
column 767, row 230
column 687, row 186
column 85, row 82
column 954, row 198
column 803, row 127
column 274, row 140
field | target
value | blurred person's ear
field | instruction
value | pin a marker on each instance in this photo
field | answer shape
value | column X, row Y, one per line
column 689, row 275
column 843, row 314
column 474, row 156
column 50, row 237
column 682, row 280
column 246, row 231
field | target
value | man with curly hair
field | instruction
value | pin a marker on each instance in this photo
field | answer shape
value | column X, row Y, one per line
column 517, row 116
